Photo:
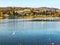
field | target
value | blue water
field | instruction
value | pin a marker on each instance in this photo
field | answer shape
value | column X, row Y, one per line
column 16, row 32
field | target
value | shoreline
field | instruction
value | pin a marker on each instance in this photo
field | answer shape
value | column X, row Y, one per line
column 41, row 21
column 32, row 20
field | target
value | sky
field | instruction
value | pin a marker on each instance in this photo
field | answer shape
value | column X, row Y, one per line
column 30, row 3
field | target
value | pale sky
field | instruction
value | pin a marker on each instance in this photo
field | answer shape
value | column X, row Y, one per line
column 30, row 3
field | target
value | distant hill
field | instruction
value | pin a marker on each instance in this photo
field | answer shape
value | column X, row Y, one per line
column 46, row 8
column 49, row 8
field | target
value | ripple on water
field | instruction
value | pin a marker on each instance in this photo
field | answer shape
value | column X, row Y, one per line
column 14, row 33
column 20, row 44
column 53, row 43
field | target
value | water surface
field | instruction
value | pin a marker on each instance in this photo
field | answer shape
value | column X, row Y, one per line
column 15, row 32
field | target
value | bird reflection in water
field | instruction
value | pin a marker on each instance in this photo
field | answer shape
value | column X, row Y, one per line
column 43, row 24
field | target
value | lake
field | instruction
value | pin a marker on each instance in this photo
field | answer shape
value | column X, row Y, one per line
column 17, row 32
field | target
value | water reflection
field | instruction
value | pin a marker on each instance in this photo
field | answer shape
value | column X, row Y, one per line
column 15, row 32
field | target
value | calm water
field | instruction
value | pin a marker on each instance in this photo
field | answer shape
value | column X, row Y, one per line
column 15, row 32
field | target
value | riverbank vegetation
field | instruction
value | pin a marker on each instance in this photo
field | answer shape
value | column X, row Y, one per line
column 19, row 12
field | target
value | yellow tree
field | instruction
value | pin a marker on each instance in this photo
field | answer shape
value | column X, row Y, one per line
column 1, row 14
column 31, row 13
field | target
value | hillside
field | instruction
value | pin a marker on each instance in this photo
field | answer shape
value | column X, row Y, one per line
column 27, row 12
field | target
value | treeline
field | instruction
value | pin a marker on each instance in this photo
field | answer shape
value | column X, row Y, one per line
column 18, row 12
